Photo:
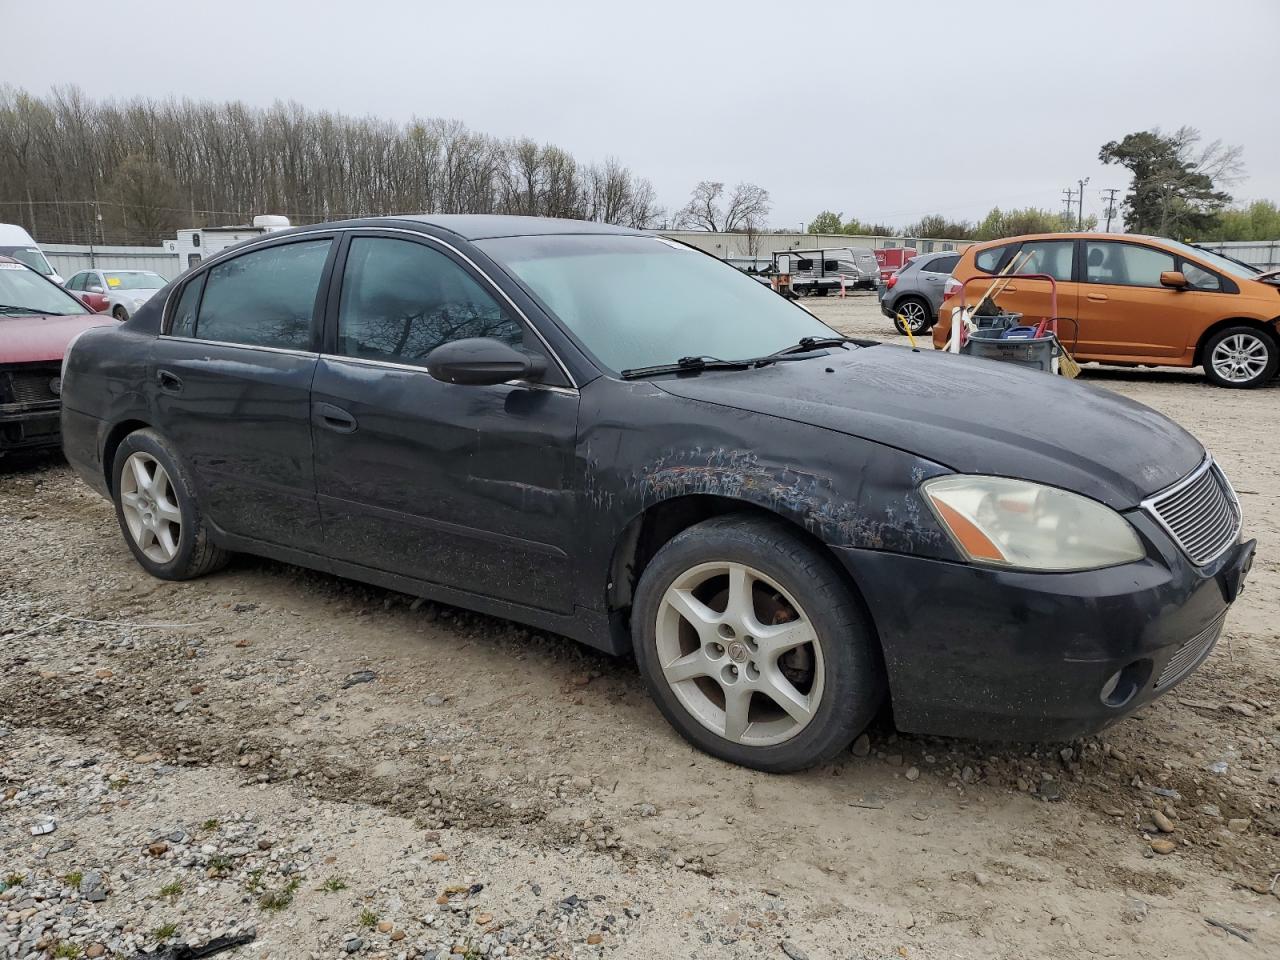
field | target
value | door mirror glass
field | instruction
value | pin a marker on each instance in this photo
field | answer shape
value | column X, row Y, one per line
column 482, row 361
column 1173, row 278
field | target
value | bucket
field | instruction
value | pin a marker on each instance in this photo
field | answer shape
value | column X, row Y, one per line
column 1034, row 352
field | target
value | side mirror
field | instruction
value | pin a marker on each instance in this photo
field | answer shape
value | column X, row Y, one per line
column 481, row 361
column 1175, row 279
column 95, row 302
column 95, row 288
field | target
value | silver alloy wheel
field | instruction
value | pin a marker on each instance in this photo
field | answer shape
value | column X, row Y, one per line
column 1240, row 357
column 914, row 313
column 150, row 507
column 739, row 653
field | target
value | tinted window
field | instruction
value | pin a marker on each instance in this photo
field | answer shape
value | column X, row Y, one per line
column 401, row 300
column 1047, row 256
column 988, row 261
column 265, row 298
column 942, row 264
column 1200, row 278
column 1125, row 264
column 183, row 323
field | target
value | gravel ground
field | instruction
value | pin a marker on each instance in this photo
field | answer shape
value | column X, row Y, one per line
column 334, row 770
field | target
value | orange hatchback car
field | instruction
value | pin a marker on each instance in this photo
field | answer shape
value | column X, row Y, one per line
column 1134, row 300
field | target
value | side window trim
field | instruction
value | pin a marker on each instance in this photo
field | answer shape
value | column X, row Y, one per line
column 329, row 336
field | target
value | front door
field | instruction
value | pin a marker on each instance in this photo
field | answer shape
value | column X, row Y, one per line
column 1129, row 315
column 230, row 384
column 465, row 486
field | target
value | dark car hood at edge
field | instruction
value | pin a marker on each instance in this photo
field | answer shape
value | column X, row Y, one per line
column 973, row 416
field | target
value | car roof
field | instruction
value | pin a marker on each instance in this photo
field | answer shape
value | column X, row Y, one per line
column 1070, row 235
column 486, row 226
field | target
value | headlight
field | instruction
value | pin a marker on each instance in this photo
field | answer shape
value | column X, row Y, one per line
column 1028, row 526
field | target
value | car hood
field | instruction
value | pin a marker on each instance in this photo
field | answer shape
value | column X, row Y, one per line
column 971, row 415
column 42, row 338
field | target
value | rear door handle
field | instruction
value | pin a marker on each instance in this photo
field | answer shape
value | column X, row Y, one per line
column 1097, row 297
column 333, row 418
column 169, row 382
column 1010, row 288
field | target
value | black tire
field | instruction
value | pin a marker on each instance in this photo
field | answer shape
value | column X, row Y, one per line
column 1259, row 342
column 914, row 307
column 120, row 313
column 196, row 553
column 853, row 685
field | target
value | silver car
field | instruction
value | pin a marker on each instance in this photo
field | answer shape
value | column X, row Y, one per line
column 914, row 293
column 125, row 290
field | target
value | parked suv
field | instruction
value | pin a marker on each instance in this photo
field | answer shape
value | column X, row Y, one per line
column 1136, row 301
column 914, row 293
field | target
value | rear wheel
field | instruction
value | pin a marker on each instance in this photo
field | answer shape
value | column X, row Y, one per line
column 753, row 647
column 916, row 315
column 1241, row 356
column 157, row 510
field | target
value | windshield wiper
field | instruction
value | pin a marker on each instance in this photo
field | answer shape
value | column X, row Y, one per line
column 810, row 344
column 687, row 364
column 23, row 311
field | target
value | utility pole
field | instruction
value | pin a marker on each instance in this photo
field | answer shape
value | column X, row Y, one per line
column 1068, row 199
column 1110, row 195
column 1080, row 218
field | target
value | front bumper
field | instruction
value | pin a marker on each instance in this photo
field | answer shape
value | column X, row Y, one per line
column 977, row 652
column 28, row 426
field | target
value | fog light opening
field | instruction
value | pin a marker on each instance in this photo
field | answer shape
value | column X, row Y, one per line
column 1123, row 685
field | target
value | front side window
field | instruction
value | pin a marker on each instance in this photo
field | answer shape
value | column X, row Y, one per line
column 635, row 301
column 1053, row 257
column 401, row 299
column 265, row 298
column 76, row 282
column 1125, row 264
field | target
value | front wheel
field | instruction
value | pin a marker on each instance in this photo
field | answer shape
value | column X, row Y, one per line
column 157, row 510
column 1241, row 356
column 753, row 647
column 120, row 313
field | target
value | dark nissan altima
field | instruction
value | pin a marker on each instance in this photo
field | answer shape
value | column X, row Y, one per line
column 613, row 436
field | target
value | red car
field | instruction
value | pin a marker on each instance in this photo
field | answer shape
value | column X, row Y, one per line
column 37, row 321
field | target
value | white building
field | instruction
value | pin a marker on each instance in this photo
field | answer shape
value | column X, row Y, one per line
column 193, row 245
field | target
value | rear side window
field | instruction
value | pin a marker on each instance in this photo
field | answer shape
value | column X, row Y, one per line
column 1125, row 264
column 183, row 323
column 265, row 298
column 1053, row 257
column 401, row 299
column 988, row 261
column 942, row 264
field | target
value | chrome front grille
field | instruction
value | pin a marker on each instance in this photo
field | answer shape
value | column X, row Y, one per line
column 1200, row 512
column 1191, row 653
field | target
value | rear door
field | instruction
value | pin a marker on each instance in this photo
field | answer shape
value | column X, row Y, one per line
column 1125, row 312
column 465, row 486
column 933, row 275
column 1034, row 299
column 231, row 381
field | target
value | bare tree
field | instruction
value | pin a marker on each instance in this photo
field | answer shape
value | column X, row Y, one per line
column 747, row 206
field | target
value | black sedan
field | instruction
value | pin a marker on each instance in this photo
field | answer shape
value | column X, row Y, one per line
column 615, row 437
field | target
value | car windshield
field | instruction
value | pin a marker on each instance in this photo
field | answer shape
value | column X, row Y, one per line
column 22, row 291
column 134, row 280
column 1224, row 264
column 32, row 257
column 636, row 301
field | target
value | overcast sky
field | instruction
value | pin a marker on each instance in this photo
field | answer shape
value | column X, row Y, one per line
column 884, row 111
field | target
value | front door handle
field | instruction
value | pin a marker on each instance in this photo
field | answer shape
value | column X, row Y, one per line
column 1097, row 297
column 169, row 382
column 332, row 418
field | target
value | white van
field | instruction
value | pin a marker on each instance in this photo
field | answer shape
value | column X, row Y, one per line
column 17, row 243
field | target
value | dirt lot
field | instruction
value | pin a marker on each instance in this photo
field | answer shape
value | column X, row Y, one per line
column 340, row 770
